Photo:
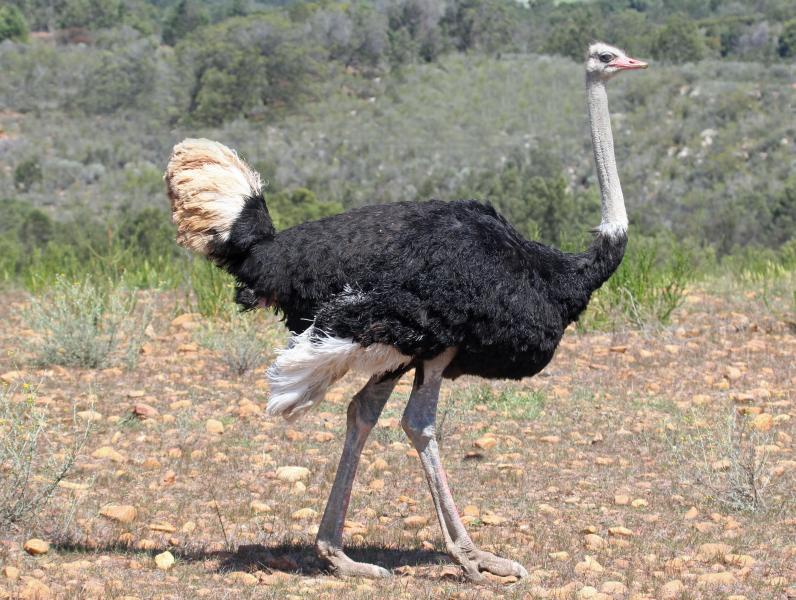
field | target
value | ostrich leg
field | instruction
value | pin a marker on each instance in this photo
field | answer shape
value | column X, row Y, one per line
column 363, row 413
column 419, row 423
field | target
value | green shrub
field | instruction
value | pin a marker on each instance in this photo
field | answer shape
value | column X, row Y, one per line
column 12, row 23
column 80, row 324
column 27, row 173
column 242, row 340
column 30, row 468
column 644, row 289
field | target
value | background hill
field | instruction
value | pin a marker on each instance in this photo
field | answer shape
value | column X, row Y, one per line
column 343, row 104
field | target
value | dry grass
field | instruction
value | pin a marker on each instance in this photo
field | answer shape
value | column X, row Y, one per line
column 594, row 452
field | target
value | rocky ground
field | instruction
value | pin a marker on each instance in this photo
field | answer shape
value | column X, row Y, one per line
column 653, row 464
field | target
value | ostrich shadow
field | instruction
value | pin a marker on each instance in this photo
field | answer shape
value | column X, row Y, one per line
column 292, row 558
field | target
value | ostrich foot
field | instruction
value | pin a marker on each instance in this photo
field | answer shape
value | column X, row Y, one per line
column 475, row 562
column 342, row 566
column 502, row 567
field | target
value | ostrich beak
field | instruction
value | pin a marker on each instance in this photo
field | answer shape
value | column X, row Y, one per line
column 625, row 62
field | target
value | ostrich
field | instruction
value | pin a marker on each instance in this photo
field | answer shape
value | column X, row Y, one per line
column 444, row 288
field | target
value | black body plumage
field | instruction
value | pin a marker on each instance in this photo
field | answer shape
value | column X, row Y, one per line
column 421, row 277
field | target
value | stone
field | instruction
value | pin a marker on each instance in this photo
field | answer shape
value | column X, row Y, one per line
column 619, row 532
column 242, row 577
column 292, row 474
column 123, row 513
column 763, row 422
column 145, row 411
column 621, row 500
column 691, row 514
column 739, row 560
column 710, row 552
column 562, row 556
column 671, row 590
column 10, row 377
column 36, row 547
column 588, row 566
column 162, row 527
column 594, row 542
column 258, row 506
column 10, row 573
column 214, row 426
column 304, row 514
column 109, row 453
column 722, row 578
column 614, row 588
column 493, row 519
column 164, row 560
column 33, row 589
column 415, row 522
column 486, row 442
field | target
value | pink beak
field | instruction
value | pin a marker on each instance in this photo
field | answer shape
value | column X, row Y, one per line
column 625, row 62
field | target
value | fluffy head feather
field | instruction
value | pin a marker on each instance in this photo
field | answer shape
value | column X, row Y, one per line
column 208, row 185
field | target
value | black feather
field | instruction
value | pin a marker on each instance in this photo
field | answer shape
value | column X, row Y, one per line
column 421, row 277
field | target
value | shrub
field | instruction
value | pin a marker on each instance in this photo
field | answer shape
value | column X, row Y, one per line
column 644, row 289
column 243, row 341
column 12, row 23
column 27, row 173
column 79, row 324
column 728, row 463
column 29, row 468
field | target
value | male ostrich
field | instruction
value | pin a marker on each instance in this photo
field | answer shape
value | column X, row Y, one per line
column 446, row 288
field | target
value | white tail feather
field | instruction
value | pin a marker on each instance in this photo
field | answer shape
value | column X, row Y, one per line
column 312, row 362
column 208, row 185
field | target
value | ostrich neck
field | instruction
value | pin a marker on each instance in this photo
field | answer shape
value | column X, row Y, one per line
column 614, row 218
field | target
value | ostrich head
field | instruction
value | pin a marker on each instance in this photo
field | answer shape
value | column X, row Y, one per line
column 604, row 61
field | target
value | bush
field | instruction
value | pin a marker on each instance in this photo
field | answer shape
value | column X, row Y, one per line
column 79, row 324
column 12, row 24
column 243, row 340
column 786, row 47
column 29, row 468
column 678, row 41
column 27, row 173
column 644, row 289
column 728, row 463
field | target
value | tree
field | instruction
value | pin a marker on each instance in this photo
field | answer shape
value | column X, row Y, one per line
column 678, row 41
column 12, row 24
column 786, row 47
column 185, row 17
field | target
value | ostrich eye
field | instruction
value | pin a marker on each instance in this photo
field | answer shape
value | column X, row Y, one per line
column 606, row 57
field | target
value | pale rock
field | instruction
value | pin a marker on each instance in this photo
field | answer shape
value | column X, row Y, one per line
column 671, row 590
column 145, row 411
column 562, row 556
column 259, row 506
column 33, row 589
column 763, row 422
column 164, row 560
column 711, row 551
column 36, row 547
column 242, row 578
column 594, row 542
column 588, row 566
column 123, row 513
column 304, row 514
column 292, row 474
column 415, row 522
column 214, row 426
column 614, row 588
column 621, row 500
column 493, row 519
column 722, row 578
column 109, row 453
column 620, row 532
column 10, row 573
column 486, row 442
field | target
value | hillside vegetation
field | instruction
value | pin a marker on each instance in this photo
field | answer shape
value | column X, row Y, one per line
column 340, row 105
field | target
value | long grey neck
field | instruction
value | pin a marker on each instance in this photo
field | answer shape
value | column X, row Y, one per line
column 614, row 217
